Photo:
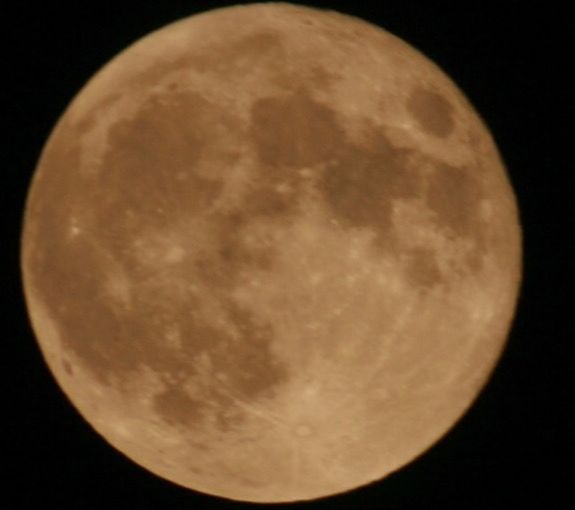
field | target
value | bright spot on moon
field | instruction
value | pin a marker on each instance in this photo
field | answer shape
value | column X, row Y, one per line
column 271, row 253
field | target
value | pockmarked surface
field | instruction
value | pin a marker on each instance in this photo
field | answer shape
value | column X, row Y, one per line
column 271, row 253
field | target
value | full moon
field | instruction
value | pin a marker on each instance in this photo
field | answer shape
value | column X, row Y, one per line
column 271, row 253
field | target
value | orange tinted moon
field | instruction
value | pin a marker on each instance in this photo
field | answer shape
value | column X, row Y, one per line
column 271, row 253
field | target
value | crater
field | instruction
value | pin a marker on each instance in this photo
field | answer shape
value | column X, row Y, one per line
column 432, row 111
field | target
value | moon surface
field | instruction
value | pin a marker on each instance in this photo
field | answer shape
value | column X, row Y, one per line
column 271, row 253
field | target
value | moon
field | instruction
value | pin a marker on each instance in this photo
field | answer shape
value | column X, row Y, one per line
column 271, row 253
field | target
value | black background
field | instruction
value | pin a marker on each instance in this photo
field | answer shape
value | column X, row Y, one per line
column 511, row 449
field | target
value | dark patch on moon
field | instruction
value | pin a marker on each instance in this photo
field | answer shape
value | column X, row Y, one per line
column 422, row 268
column 454, row 195
column 242, row 355
column 164, row 131
column 293, row 131
column 361, row 184
column 359, row 181
column 175, row 406
column 112, row 345
column 250, row 364
column 432, row 111
column 147, row 179
column 167, row 137
column 268, row 200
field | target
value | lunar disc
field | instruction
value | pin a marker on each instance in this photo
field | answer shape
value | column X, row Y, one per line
column 271, row 253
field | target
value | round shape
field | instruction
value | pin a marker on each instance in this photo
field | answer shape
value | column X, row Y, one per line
column 271, row 253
